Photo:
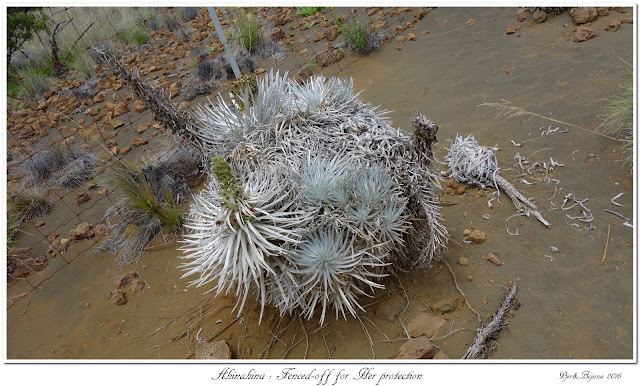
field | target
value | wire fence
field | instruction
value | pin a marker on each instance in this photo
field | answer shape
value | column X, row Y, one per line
column 92, row 116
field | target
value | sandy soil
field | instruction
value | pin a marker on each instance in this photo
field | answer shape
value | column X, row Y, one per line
column 573, row 306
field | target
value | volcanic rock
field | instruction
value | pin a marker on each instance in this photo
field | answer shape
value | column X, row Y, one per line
column 213, row 350
column 477, row 236
column 417, row 348
column 583, row 33
column 136, row 142
column 118, row 296
column 523, row 14
column 28, row 266
column 81, row 198
column 82, row 231
column 581, row 15
column 539, row 16
column 614, row 25
column 425, row 324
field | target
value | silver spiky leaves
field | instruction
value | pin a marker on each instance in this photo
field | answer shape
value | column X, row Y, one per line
column 233, row 240
column 320, row 208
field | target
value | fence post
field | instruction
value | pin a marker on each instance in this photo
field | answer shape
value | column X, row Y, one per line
column 223, row 40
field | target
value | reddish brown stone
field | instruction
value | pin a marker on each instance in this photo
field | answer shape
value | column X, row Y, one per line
column 417, row 348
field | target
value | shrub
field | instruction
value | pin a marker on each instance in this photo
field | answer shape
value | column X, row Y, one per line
column 193, row 88
column 209, row 68
column 22, row 23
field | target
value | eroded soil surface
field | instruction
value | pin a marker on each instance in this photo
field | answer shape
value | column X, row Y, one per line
column 573, row 305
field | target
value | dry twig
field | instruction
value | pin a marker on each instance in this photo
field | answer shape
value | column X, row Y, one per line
column 606, row 245
column 478, row 314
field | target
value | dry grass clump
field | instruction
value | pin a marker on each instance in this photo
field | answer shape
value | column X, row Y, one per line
column 149, row 212
column 24, row 206
column 190, row 13
column 60, row 166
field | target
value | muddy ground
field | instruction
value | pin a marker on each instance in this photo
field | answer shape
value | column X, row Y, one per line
column 572, row 304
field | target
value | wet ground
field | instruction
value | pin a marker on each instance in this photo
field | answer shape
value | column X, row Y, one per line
column 573, row 305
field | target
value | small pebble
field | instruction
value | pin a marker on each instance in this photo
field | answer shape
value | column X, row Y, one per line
column 470, row 277
column 463, row 261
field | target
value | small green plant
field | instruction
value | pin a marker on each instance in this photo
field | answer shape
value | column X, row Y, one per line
column 248, row 32
column 359, row 35
column 246, row 84
column 308, row 11
column 312, row 64
column 209, row 49
column 310, row 24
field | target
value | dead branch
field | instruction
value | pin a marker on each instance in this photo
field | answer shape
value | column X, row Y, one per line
column 485, row 337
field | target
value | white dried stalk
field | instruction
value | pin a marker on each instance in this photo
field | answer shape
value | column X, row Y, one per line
column 477, row 165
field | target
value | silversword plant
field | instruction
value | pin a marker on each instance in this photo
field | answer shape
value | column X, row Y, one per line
column 313, row 198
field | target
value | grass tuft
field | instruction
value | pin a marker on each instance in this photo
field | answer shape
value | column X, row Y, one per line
column 149, row 210
column 617, row 119
column 359, row 35
column 136, row 36
column 145, row 196
column 247, row 31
